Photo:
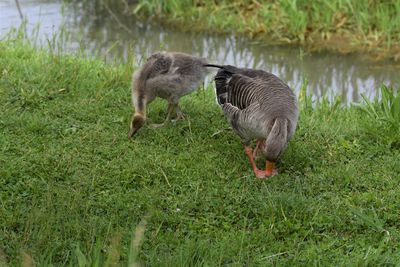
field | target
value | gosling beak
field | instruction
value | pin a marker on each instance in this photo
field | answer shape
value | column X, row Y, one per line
column 132, row 132
column 136, row 123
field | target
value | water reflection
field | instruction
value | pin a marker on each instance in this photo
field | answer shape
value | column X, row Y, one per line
column 327, row 74
column 43, row 14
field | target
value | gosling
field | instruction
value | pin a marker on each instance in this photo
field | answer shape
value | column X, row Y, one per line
column 168, row 75
column 258, row 105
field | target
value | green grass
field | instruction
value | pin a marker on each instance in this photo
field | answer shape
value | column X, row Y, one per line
column 76, row 191
column 339, row 25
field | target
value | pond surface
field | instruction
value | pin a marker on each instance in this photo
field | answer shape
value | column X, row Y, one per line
column 114, row 36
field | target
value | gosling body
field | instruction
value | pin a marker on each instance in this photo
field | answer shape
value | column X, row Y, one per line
column 168, row 75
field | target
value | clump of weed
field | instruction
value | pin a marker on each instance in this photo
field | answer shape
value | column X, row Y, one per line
column 384, row 116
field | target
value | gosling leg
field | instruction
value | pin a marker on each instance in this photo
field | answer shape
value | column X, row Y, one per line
column 179, row 114
column 170, row 111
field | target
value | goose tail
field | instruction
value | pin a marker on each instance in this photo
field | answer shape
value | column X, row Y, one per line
column 223, row 68
column 213, row 66
column 222, row 79
column 221, row 82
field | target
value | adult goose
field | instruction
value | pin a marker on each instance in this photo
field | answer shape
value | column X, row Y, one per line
column 258, row 105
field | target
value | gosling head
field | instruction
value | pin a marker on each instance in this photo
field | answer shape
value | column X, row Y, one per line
column 137, row 122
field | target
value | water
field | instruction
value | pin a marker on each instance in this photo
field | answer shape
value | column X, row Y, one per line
column 327, row 73
column 45, row 13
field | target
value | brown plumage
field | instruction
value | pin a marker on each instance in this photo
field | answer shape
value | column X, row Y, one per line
column 168, row 75
column 258, row 105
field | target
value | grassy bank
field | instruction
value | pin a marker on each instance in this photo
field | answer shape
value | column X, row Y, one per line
column 344, row 26
column 76, row 191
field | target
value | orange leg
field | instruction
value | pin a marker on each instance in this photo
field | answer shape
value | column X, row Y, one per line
column 259, row 173
column 270, row 169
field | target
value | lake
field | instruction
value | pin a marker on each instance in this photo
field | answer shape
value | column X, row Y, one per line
column 113, row 36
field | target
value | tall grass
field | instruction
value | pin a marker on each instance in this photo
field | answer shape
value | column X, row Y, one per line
column 75, row 191
column 340, row 25
column 385, row 111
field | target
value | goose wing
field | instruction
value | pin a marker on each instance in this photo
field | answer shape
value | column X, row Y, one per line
column 242, row 91
column 240, row 103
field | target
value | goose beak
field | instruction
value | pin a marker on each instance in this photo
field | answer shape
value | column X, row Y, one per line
column 270, row 169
